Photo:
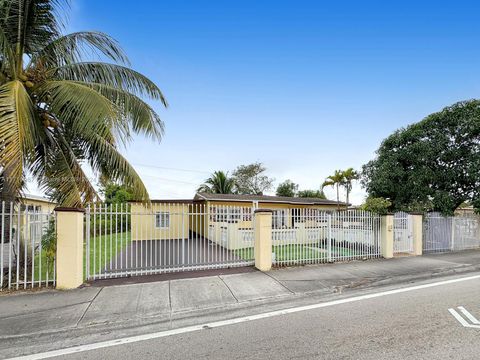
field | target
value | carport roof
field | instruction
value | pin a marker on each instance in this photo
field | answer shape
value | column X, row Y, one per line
column 168, row 201
column 265, row 199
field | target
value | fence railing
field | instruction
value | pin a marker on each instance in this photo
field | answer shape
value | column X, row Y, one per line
column 309, row 236
column 450, row 233
column 27, row 247
column 402, row 233
column 140, row 239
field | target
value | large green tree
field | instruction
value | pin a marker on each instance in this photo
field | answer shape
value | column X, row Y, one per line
column 251, row 179
column 287, row 188
column 115, row 193
column 66, row 101
column 431, row 165
column 311, row 194
column 218, row 183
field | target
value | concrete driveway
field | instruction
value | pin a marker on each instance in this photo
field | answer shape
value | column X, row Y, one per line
column 172, row 255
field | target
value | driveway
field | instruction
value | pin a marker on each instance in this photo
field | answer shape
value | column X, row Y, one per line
column 173, row 255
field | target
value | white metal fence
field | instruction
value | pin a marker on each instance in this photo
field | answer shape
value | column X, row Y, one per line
column 402, row 233
column 310, row 236
column 27, row 247
column 136, row 239
column 450, row 233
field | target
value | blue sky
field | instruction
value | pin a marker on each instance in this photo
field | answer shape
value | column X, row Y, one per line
column 306, row 87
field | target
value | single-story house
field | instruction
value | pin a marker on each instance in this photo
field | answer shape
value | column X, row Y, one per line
column 161, row 219
column 35, row 203
column 31, row 221
column 221, row 218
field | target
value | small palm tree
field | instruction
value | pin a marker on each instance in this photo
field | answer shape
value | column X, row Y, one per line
column 335, row 181
column 218, row 183
column 349, row 176
column 60, row 111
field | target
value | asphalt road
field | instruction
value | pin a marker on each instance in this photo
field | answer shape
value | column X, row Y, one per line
column 409, row 325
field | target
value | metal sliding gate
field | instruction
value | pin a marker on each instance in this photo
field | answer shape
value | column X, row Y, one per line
column 402, row 233
column 313, row 236
column 450, row 233
column 137, row 239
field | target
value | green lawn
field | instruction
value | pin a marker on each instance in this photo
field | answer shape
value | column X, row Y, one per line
column 295, row 252
column 117, row 242
column 41, row 268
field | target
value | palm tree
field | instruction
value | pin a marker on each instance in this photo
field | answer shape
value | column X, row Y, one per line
column 349, row 176
column 61, row 112
column 218, row 183
column 335, row 181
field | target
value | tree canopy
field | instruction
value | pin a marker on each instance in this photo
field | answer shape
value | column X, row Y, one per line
column 376, row 205
column 115, row 193
column 287, row 188
column 431, row 165
column 349, row 176
column 218, row 183
column 311, row 194
column 336, row 180
column 66, row 101
column 251, row 179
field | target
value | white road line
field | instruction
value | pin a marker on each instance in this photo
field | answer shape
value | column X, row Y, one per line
column 161, row 334
column 469, row 316
column 459, row 317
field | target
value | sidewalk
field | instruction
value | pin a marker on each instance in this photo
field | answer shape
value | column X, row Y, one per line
column 51, row 311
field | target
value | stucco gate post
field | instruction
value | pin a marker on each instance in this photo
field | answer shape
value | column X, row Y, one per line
column 417, row 229
column 386, row 236
column 69, row 257
column 263, row 239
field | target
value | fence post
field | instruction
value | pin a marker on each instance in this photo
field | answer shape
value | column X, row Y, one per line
column 387, row 236
column 417, row 225
column 69, row 259
column 263, row 239
column 329, row 245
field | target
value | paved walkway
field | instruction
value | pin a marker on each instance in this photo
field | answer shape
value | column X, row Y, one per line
column 51, row 311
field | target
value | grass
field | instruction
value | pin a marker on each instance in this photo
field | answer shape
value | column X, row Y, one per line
column 294, row 252
column 40, row 270
column 116, row 241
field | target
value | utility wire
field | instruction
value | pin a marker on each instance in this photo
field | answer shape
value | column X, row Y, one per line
column 171, row 168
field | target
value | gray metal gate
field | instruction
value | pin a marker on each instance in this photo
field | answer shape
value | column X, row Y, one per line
column 450, row 233
column 437, row 233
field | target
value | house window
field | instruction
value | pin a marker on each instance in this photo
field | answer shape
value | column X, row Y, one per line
column 162, row 220
column 279, row 219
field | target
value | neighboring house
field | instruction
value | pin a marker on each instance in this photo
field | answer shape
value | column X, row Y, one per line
column 218, row 217
column 169, row 219
column 32, row 219
column 37, row 203
column 465, row 210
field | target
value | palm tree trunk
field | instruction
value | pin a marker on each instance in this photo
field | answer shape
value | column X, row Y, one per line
column 348, row 197
column 338, row 196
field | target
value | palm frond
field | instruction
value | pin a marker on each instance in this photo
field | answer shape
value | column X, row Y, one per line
column 30, row 24
column 72, row 48
column 63, row 177
column 17, row 131
column 113, row 75
column 7, row 56
column 105, row 159
column 79, row 107
column 141, row 117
